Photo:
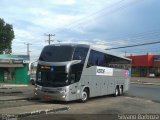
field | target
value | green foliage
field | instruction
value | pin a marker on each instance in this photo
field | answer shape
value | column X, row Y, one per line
column 6, row 37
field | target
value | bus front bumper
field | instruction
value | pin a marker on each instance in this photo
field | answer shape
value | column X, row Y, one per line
column 49, row 96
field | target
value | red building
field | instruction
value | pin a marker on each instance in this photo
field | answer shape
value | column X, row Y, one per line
column 145, row 65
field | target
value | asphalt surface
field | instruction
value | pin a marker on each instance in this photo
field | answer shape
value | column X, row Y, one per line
column 148, row 92
column 102, row 106
column 141, row 98
column 16, row 93
column 18, row 103
column 151, row 92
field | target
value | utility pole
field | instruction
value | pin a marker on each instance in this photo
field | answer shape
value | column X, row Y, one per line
column 59, row 41
column 125, row 53
column 28, row 51
column 49, row 38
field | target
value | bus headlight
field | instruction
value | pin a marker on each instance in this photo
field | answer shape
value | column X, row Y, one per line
column 35, row 93
column 63, row 90
column 64, row 96
column 35, row 88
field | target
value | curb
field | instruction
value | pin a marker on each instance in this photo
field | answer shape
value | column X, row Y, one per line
column 15, row 99
column 145, row 83
column 12, row 92
column 22, row 98
column 22, row 115
column 11, row 85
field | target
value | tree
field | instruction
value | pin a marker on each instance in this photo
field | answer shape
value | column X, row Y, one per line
column 6, row 37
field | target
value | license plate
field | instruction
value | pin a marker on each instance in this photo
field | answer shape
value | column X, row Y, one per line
column 47, row 97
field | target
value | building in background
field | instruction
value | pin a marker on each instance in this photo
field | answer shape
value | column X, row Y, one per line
column 14, row 69
column 145, row 65
column 157, row 65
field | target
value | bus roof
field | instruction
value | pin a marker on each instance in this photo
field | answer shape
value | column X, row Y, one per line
column 87, row 46
column 70, row 44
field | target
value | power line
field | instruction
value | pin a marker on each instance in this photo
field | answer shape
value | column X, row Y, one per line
column 131, row 41
column 134, row 45
column 111, row 9
column 82, row 19
column 79, row 23
column 153, row 51
column 140, row 50
column 49, row 38
column 138, row 36
column 120, row 42
column 93, row 14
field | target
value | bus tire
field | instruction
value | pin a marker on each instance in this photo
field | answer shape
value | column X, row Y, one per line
column 84, row 95
column 120, row 90
column 116, row 91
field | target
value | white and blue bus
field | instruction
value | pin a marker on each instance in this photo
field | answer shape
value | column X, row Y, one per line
column 69, row 72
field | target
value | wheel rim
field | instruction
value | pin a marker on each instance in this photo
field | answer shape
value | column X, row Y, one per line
column 84, row 96
column 120, row 90
column 116, row 92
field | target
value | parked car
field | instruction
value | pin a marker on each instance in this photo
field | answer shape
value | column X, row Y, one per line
column 152, row 75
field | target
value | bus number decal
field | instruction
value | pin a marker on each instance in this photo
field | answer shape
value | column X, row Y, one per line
column 104, row 71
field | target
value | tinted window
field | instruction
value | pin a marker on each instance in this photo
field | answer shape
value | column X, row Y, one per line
column 80, row 53
column 56, row 53
column 75, row 72
column 105, row 60
column 117, row 62
column 51, row 76
column 96, row 58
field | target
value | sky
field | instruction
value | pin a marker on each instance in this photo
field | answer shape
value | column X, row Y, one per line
column 102, row 23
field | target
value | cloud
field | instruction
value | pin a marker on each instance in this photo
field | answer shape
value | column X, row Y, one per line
column 63, row 2
column 106, row 23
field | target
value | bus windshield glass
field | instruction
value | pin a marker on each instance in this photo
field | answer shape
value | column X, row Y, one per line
column 52, row 76
column 57, row 53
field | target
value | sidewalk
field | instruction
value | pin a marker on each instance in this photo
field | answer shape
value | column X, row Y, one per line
column 24, row 111
column 145, row 80
column 16, row 92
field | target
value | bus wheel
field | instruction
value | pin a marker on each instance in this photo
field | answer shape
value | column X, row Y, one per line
column 120, row 90
column 84, row 95
column 116, row 92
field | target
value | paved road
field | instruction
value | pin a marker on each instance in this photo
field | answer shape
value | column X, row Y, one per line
column 103, row 106
column 144, row 98
column 151, row 92
column 139, row 104
column 18, row 103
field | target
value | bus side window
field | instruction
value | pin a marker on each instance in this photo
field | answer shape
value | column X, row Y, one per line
column 90, row 59
column 80, row 53
column 97, row 59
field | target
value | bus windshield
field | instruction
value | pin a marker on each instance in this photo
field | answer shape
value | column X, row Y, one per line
column 57, row 53
column 52, row 76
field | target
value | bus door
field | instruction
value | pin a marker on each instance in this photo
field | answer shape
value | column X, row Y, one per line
column 73, row 91
column 74, row 77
